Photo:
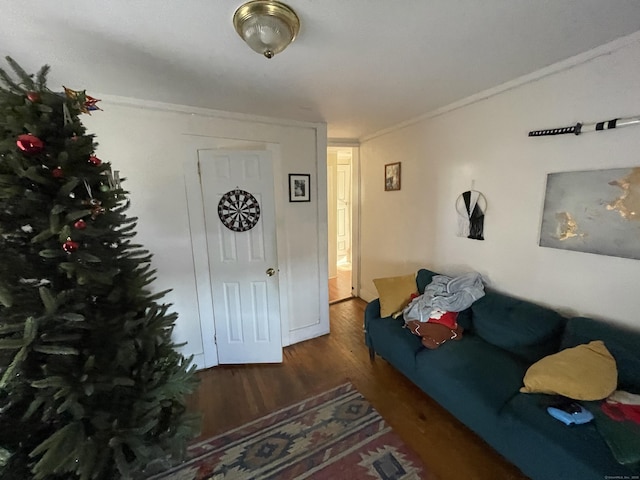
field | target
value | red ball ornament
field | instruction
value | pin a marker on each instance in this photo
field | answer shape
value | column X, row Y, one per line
column 33, row 97
column 93, row 160
column 80, row 224
column 29, row 144
column 70, row 246
column 57, row 172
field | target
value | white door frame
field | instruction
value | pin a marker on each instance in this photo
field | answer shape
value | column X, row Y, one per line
column 195, row 205
column 355, row 220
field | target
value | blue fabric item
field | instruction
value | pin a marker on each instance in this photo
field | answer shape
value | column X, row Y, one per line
column 528, row 330
column 622, row 343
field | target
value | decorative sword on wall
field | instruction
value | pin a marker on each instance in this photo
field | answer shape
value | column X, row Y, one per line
column 579, row 128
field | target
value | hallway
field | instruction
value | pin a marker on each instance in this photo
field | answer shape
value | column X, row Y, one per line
column 340, row 285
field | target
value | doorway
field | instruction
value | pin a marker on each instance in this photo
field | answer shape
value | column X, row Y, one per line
column 342, row 222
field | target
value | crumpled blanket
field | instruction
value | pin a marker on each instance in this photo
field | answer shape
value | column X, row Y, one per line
column 445, row 294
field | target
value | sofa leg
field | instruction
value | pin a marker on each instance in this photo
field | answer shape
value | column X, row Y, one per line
column 372, row 354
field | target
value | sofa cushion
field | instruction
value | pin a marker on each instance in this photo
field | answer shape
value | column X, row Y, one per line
column 523, row 328
column 621, row 342
column 465, row 320
column 395, row 293
column 475, row 371
column 585, row 372
column 543, row 446
column 623, row 438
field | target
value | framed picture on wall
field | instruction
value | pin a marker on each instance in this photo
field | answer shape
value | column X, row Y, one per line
column 592, row 211
column 299, row 187
column 392, row 176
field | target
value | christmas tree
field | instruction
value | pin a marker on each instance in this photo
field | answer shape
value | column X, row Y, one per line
column 91, row 384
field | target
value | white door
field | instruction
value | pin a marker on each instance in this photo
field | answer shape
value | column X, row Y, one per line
column 343, row 191
column 243, row 265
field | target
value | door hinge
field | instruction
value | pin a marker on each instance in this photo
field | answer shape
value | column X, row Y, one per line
column 215, row 339
column 199, row 172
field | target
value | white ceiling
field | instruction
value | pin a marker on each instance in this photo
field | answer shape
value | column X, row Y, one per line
column 359, row 65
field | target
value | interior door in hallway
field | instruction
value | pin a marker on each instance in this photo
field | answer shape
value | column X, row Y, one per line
column 343, row 191
column 243, row 265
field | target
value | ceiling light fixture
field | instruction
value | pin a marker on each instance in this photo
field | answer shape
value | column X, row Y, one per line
column 267, row 26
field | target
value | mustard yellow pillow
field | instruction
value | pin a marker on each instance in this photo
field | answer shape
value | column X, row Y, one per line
column 585, row 372
column 395, row 293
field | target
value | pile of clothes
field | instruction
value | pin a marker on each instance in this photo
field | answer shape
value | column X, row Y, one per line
column 433, row 315
column 621, row 406
column 618, row 421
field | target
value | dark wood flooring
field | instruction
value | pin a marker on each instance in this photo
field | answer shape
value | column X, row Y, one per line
column 340, row 285
column 229, row 396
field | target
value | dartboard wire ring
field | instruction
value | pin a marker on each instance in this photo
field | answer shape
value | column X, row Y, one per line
column 238, row 210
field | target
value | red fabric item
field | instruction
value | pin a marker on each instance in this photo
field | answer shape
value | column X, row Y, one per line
column 448, row 319
column 621, row 411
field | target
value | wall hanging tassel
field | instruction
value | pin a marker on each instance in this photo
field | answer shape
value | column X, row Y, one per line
column 471, row 207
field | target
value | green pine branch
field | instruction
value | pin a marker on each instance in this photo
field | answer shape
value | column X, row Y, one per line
column 91, row 384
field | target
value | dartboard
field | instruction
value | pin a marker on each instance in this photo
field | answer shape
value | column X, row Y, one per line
column 238, row 210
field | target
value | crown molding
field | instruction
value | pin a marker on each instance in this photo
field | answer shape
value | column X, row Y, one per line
column 561, row 66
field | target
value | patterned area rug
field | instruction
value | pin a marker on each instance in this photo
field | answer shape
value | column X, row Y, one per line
column 334, row 435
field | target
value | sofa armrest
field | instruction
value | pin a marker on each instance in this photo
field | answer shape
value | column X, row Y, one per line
column 371, row 313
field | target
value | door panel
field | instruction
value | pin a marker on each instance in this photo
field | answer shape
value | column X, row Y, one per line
column 245, row 300
column 344, row 213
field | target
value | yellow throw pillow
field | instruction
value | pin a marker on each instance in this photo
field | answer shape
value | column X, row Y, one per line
column 585, row 372
column 395, row 293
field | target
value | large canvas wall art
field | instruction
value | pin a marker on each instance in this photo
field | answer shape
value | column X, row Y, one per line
column 596, row 211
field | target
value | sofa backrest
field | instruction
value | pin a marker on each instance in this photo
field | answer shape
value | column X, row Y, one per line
column 423, row 278
column 623, row 343
column 527, row 330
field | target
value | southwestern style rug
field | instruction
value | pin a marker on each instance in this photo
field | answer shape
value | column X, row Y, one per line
column 334, row 435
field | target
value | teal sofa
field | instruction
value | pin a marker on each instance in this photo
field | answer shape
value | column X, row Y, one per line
column 479, row 377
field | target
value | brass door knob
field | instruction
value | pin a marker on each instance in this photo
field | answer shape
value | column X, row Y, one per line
column 270, row 272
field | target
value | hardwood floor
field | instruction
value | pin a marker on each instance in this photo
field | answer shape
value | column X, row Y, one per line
column 230, row 396
column 340, row 285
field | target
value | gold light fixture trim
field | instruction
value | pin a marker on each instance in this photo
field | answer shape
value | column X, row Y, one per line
column 267, row 26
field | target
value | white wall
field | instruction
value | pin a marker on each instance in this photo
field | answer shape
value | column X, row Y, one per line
column 150, row 143
column 485, row 144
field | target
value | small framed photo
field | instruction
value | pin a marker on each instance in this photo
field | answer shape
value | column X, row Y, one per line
column 392, row 176
column 299, row 187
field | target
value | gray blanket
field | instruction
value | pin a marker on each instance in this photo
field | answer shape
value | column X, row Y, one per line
column 445, row 294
